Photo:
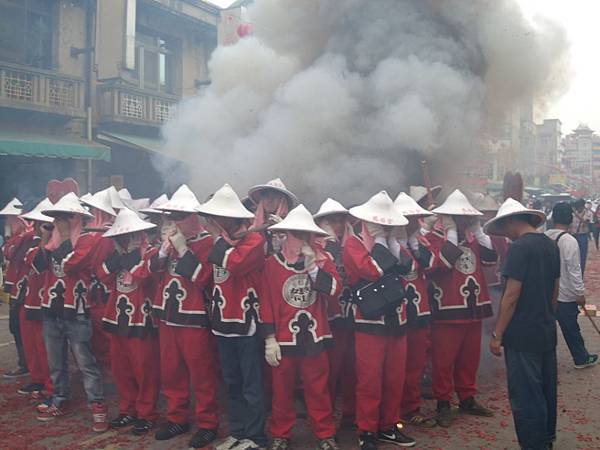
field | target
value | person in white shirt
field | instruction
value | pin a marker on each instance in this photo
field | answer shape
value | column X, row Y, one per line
column 571, row 293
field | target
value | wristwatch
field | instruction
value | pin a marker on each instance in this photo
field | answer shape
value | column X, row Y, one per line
column 494, row 335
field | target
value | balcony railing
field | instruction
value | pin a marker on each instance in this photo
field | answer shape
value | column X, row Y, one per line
column 122, row 103
column 40, row 90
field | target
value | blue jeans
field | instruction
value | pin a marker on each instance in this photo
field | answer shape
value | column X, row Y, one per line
column 241, row 363
column 583, row 240
column 566, row 314
column 59, row 335
column 532, row 379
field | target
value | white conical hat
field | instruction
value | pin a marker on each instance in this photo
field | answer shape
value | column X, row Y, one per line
column 125, row 194
column 329, row 207
column 276, row 185
column 409, row 207
column 127, row 221
column 487, row 204
column 225, row 203
column 115, row 199
column 100, row 200
column 68, row 204
column 85, row 197
column 457, row 205
column 153, row 208
column 379, row 209
column 419, row 193
column 12, row 208
column 183, row 200
column 137, row 204
column 299, row 219
column 36, row 213
column 509, row 208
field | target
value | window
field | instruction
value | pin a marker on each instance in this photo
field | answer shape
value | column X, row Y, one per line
column 155, row 61
column 26, row 32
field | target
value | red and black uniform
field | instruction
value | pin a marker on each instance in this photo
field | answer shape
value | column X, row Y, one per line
column 187, row 350
column 134, row 348
column 460, row 301
column 341, row 354
column 380, row 343
column 294, row 309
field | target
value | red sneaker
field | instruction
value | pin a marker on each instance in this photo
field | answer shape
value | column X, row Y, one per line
column 50, row 413
column 100, row 415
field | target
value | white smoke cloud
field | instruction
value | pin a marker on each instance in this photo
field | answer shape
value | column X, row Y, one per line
column 337, row 96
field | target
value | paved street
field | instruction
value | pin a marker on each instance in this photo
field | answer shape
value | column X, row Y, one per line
column 578, row 424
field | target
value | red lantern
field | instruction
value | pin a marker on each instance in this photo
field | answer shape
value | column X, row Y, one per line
column 244, row 29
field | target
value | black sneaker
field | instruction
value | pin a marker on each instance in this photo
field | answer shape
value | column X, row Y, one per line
column 474, row 408
column 367, row 441
column 170, row 429
column 591, row 360
column 17, row 373
column 202, row 438
column 444, row 416
column 397, row 437
column 30, row 388
column 121, row 421
column 142, row 426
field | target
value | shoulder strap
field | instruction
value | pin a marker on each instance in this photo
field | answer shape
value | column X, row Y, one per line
column 559, row 236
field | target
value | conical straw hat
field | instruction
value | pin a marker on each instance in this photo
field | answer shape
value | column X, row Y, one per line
column 127, row 221
column 457, row 205
column 100, row 200
column 329, row 207
column 12, row 208
column 299, row 219
column 409, row 207
column 379, row 209
column 183, row 200
column 276, row 185
column 36, row 213
column 68, row 204
column 509, row 208
column 225, row 203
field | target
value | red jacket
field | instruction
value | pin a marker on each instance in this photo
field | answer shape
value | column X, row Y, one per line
column 458, row 288
column 16, row 271
column 182, row 300
column 35, row 285
column 100, row 286
column 294, row 308
column 418, row 311
column 128, row 311
column 338, row 307
column 68, row 273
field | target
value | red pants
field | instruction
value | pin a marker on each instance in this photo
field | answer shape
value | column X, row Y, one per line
column 380, row 371
column 455, row 351
column 135, row 365
column 315, row 376
column 32, row 334
column 100, row 341
column 417, row 346
column 341, row 370
column 188, row 355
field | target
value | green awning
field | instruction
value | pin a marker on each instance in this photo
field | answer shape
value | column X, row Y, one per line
column 48, row 146
column 139, row 142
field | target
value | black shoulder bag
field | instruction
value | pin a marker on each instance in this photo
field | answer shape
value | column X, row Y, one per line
column 378, row 297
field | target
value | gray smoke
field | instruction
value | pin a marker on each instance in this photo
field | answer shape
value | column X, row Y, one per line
column 338, row 96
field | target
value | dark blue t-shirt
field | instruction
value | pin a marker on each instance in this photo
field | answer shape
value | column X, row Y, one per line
column 534, row 260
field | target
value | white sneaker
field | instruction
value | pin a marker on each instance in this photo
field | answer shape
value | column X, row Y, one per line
column 247, row 444
column 228, row 444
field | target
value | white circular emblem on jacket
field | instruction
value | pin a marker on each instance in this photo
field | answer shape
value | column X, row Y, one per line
column 58, row 269
column 466, row 263
column 124, row 287
column 297, row 291
column 220, row 275
column 171, row 266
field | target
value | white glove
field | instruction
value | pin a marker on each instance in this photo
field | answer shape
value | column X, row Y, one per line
column 163, row 251
column 272, row 351
column 327, row 227
column 310, row 259
column 399, row 234
column 375, row 230
column 394, row 246
column 413, row 242
column 274, row 218
column 481, row 237
column 179, row 243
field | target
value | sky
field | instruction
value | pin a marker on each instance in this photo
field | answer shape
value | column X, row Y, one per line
column 581, row 101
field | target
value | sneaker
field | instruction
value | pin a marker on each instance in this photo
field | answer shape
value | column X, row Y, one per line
column 420, row 421
column 328, row 444
column 592, row 360
column 397, row 437
column 280, row 444
column 44, row 405
column 39, row 396
column 99, row 417
column 228, row 444
column 445, row 415
column 474, row 408
column 367, row 441
column 29, row 388
column 50, row 413
column 17, row 373
column 171, row 429
column 122, row 421
column 202, row 438
column 248, row 444
column 142, row 426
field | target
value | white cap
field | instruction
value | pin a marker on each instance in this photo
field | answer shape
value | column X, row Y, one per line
column 457, row 205
column 12, row 208
column 100, row 200
column 127, row 221
column 409, row 207
column 330, row 207
column 183, row 200
column 509, row 208
column 68, row 204
column 299, row 219
column 36, row 213
column 225, row 203
column 276, row 185
column 379, row 209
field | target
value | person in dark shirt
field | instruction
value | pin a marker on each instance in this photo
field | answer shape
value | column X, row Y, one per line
column 526, row 324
